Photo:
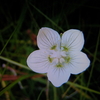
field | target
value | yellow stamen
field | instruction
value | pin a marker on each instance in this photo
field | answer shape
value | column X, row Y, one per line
column 65, row 48
column 50, row 59
column 67, row 59
column 53, row 47
column 59, row 65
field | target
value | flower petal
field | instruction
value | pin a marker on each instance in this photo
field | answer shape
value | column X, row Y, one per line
column 58, row 75
column 79, row 62
column 73, row 39
column 38, row 61
column 48, row 39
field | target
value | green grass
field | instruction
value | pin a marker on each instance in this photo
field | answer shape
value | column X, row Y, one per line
column 17, row 81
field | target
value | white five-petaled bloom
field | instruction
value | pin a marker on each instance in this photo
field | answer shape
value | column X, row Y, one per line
column 59, row 57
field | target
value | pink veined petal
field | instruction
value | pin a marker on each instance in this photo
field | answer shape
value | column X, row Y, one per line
column 38, row 61
column 79, row 62
column 73, row 39
column 48, row 38
column 58, row 75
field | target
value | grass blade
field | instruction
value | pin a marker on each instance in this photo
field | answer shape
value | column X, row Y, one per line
column 14, row 83
column 82, row 87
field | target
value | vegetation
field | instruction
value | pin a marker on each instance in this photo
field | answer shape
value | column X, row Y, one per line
column 20, row 21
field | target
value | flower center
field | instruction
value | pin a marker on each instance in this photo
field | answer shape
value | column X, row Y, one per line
column 57, row 56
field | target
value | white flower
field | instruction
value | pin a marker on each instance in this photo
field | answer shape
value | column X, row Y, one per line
column 59, row 57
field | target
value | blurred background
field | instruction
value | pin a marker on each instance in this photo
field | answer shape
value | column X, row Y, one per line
column 20, row 21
